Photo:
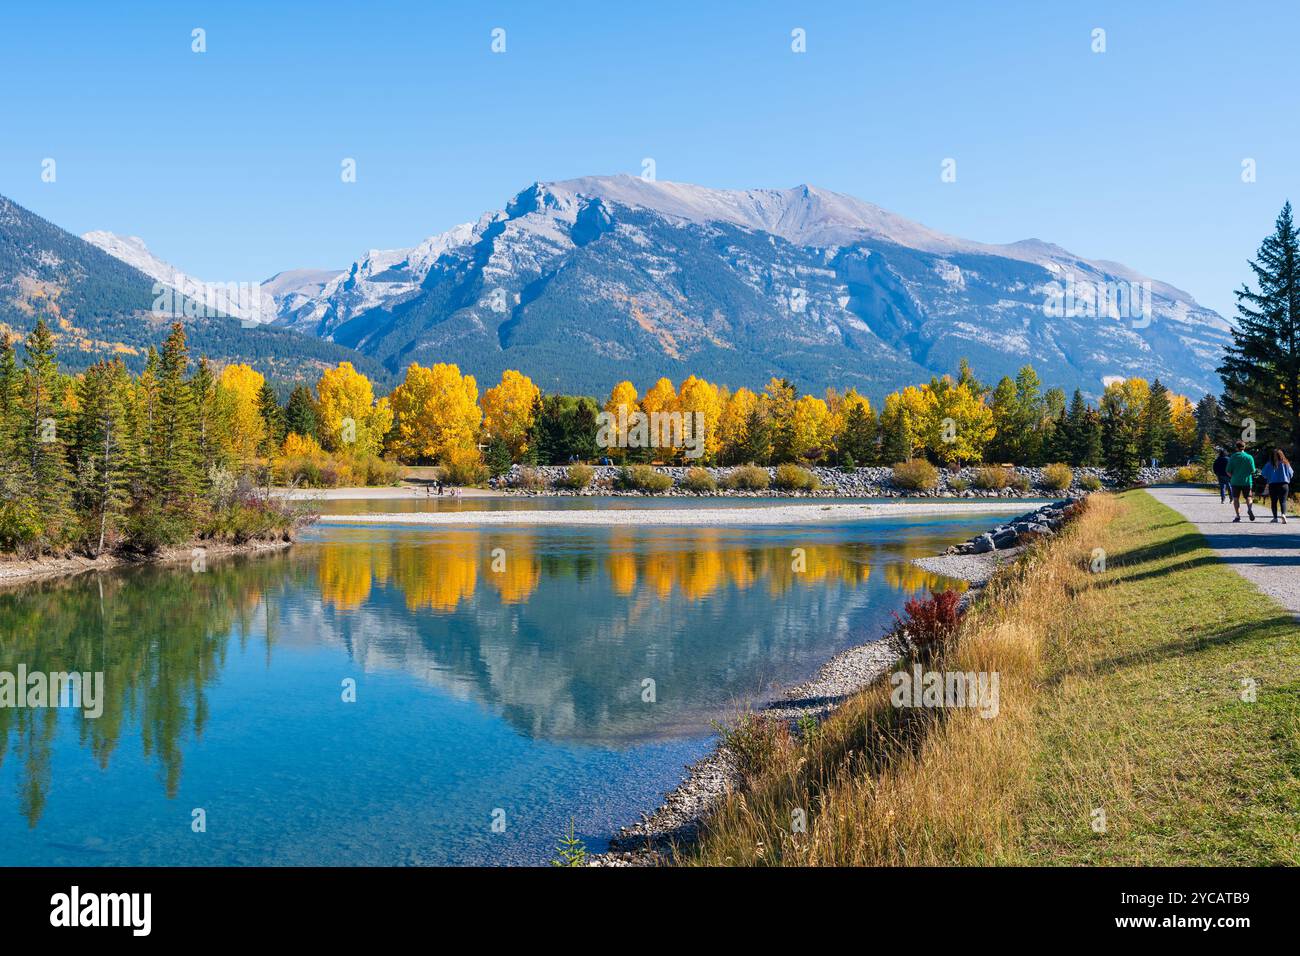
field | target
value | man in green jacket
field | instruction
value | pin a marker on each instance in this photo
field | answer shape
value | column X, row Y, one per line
column 1241, row 475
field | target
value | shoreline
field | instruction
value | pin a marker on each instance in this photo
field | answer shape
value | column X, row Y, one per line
column 684, row 809
column 781, row 514
column 34, row 570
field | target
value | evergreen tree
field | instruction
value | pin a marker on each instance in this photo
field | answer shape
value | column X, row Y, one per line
column 1088, row 440
column 210, row 426
column 41, row 431
column 1261, row 368
column 1157, row 429
column 171, row 459
column 273, row 419
column 1121, row 437
column 301, row 416
column 1208, row 420
column 497, row 457
column 895, row 438
column 858, row 440
column 756, row 449
column 10, row 398
column 100, row 448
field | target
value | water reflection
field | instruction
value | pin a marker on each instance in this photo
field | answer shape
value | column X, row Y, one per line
column 549, row 630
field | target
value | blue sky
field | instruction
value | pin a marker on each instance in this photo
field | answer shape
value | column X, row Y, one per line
column 227, row 163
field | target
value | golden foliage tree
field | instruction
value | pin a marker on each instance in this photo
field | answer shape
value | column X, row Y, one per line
column 237, row 393
column 350, row 418
column 508, row 410
column 437, row 412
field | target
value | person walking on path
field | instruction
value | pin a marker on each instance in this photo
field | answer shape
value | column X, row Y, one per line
column 1221, row 472
column 1278, row 473
column 1241, row 474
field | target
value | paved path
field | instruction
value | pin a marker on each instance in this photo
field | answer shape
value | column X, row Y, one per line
column 1266, row 554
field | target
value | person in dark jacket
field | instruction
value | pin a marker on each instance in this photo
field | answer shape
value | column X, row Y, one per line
column 1221, row 473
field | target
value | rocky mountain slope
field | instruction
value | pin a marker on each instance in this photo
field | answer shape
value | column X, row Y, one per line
column 102, row 306
column 588, row 281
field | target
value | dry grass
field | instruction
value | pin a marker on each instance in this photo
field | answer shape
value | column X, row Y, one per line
column 1116, row 691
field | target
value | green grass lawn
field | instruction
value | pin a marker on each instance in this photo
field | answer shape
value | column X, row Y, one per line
column 1142, row 712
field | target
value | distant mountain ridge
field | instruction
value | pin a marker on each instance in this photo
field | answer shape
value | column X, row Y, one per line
column 99, row 306
column 584, row 282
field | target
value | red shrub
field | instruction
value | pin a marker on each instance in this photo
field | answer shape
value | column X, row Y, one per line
column 929, row 622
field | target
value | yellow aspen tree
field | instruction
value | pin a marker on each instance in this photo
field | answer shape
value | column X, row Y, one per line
column 350, row 418
column 238, row 388
column 731, row 423
column 697, row 395
column 508, row 410
column 437, row 413
column 810, row 428
column 622, row 396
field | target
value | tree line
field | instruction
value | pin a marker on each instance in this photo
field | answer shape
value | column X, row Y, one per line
column 109, row 459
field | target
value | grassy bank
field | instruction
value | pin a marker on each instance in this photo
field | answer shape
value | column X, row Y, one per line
column 1120, row 692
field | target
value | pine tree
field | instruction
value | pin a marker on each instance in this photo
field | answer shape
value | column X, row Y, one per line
column 1208, row 420
column 1157, row 429
column 41, row 439
column 1121, row 438
column 10, row 398
column 301, row 416
column 756, row 449
column 895, row 438
column 100, row 448
column 1261, row 368
column 273, row 419
column 209, row 423
column 859, row 438
column 171, row 460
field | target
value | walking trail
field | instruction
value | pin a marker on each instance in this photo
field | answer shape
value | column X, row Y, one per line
column 1265, row 554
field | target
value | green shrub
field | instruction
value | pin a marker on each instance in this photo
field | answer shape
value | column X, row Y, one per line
column 150, row 529
column 1019, row 482
column 794, row 478
column 1058, row 477
column 747, row 478
column 1090, row 483
column 643, row 478
column 378, row 472
column 529, row 479
column 578, row 477
column 992, row 478
column 958, row 485
column 20, row 526
column 915, row 475
column 699, row 479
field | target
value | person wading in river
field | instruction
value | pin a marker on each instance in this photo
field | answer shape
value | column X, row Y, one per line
column 1241, row 473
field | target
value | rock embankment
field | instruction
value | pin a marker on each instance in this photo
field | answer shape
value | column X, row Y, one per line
column 875, row 482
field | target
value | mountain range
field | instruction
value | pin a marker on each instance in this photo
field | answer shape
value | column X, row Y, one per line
column 585, row 282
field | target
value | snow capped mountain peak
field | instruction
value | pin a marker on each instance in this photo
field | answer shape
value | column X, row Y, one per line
column 291, row 288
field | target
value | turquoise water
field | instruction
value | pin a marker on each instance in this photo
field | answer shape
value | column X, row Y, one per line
column 500, row 675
